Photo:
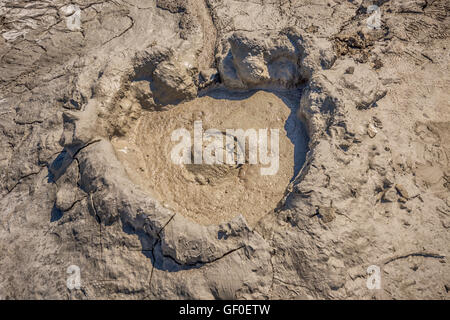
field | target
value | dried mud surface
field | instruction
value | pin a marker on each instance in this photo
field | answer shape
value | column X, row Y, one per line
column 367, row 183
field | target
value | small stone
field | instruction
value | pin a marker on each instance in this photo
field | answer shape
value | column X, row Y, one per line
column 390, row 196
column 406, row 207
column 126, row 104
column 377, row 122
column 327, row 214
column 312, row 29
column 371, row 131
column 402, row 200
column 388, row 181
column 402, row 191
column 377, row 64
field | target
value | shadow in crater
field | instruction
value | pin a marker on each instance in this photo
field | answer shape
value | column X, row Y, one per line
column 56, row 214
column 59, row 166
column 55, row 170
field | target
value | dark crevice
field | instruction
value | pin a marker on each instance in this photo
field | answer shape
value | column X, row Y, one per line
column 123, row 32
column 59, row 166
column 415, row 254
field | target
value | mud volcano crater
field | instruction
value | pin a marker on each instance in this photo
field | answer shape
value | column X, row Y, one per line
column 212, row 193
column 256, row 93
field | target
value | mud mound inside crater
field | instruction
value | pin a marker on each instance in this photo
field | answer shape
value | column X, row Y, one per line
column 217, row 192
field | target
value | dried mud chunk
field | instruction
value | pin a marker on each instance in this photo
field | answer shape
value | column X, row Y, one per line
column 249, row 60
column 390, row 196
column 402, row 191
column 172, row 84
column 327, row 214
column 371, row 131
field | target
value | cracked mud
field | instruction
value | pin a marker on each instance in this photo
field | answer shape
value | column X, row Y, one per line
column 86, row 179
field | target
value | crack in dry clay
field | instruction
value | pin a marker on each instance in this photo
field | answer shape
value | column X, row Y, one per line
column 415, row 254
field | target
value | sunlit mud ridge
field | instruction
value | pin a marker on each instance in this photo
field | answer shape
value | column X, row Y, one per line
column 88, row 111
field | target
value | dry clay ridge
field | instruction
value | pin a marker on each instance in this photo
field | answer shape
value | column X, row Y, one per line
column 90, row 90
